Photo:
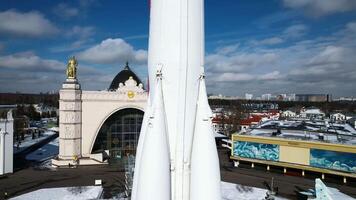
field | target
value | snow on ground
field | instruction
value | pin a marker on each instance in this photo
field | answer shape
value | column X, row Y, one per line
column 232, row 191
column 336, row 194
column 65, row 193
column 46, row 152
column 28, row 141
column 350, row 128
column 55, row 129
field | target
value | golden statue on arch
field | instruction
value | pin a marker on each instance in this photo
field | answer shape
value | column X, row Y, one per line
column 72, row 68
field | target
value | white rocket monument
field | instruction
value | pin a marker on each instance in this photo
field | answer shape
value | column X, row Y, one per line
column 176, row 156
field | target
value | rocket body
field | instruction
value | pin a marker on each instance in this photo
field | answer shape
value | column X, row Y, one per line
column 176, row 49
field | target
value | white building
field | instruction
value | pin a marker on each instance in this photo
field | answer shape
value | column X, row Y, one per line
column 312, row 113
column 41, row 108
column 266, row 97
column 95, row 125
column 288, row 114
column 248, row 96
column 338, row 117
column 6, row 139
column 291, row 97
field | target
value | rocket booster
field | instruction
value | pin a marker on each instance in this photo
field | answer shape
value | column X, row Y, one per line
column 205, row 172
column 153, row 180
column 176, row 50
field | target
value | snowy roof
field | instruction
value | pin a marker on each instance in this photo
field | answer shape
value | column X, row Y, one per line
column 219, row 135
column 313, row 111
column 7, row 106
column 307, row 130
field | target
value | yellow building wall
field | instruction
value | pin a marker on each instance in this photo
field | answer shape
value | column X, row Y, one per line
column 294, row 155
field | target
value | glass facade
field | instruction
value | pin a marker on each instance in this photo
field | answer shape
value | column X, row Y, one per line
column 119, row 134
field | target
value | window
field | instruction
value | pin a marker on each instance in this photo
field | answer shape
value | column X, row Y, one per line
column 119, row 134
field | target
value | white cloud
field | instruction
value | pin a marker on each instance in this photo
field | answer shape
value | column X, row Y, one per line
column 351, row 27
column 268, row 41
column 271, row 76
column 28, row 72
column 27, row 24
column 113, row 51
column 227, row 49
column 295, row 31
column 82, row 36
column 2, row 47
column 28, row 61
column 65, row 11
column 321, row 7
column 238, row 61
column 234, row 77
column 242, row 77
column 324, row 64
column 81, row 31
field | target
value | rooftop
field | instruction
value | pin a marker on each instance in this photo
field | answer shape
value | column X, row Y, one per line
column 123, row 76
column 306, row 130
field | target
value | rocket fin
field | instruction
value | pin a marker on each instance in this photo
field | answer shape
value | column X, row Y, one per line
column 153, row 180
column 205, row 171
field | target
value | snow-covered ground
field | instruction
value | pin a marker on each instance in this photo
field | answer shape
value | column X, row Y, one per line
column 28, row 141
column 46, row 152
column 230, row 191
column 65, row 193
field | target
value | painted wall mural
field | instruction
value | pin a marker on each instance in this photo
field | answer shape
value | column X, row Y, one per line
column 333, row 160
column 256, row 150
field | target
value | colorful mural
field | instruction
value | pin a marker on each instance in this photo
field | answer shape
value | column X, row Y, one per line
column 256, row 150
column 333, row 160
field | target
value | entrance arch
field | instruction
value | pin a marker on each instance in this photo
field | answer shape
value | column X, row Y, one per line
column 119, row 134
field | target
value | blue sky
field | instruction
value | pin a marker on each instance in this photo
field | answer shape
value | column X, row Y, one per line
column 276, row 46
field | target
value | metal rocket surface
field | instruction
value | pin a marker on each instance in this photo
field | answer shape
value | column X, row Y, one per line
column 176, row 49
column 205, row 172
column 154, row 180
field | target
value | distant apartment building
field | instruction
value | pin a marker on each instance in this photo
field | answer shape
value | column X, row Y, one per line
column 278, row 97
column 248, row 96
column 346, row 99
column 313, row 97
column 266, row 97
column 291, row 97
column 260, row 106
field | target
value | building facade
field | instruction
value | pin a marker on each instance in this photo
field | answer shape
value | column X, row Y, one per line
column 315, row 156
column 100, row 126
column 6, row 138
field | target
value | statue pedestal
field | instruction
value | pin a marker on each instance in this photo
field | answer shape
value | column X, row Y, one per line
column 71, row 83
column 70, row 123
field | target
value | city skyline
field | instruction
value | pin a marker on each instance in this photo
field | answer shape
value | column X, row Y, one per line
column 251, row 47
